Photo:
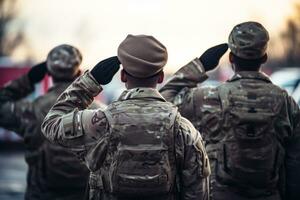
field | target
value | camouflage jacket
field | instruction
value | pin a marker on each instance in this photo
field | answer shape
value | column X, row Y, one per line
column 204, row 107
column 46, row 175
column 70, row 124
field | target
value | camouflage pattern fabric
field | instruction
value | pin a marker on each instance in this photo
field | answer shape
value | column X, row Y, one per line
column 49, row 177
column 248, row 40
column 87, row 133
column 63, row 62
column 247, row 107
column 143, row 149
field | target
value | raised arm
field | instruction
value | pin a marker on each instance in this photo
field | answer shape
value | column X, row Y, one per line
column 184, row 80
column 14, row 110
column 181, row 87
column 68, row 122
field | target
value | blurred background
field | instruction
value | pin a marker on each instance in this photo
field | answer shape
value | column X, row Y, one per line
column 29, row 29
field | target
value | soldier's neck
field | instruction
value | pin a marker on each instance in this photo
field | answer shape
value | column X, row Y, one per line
column 237, row 68
column 131, row 86
column 242, row 69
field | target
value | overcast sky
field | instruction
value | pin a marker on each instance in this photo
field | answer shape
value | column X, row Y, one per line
column 186, row 27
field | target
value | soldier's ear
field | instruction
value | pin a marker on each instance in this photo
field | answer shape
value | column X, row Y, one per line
column 230, row 57
column 79, row 73
column 161, row 77
column 123, row 76
column 264, row 59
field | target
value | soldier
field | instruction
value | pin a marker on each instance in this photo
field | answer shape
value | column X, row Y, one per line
column 53, row 171
column 251, row 127
column 140, row 143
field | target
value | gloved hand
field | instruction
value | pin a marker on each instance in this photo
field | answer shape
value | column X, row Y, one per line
column 104, row 71
column 37, row 72
column 210, row 58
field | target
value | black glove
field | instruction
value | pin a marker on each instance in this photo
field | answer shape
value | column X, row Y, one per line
column 210, row 58
column 37, row 72
column 104, row 71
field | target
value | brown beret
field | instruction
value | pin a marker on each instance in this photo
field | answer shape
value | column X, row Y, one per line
column 142, row 56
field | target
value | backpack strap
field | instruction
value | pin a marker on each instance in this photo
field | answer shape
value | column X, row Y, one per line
column 171, row 129
column 108, row 117
column 223, row 93
column 197, row 96
column 106, row 186
column 173, row 117
column 172, row 125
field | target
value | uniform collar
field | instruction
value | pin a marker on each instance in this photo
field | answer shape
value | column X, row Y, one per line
column 250, row 75
column 140, row 93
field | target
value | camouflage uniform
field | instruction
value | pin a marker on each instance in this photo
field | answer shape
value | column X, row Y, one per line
column 90, row 133
column 68, row 181
column 212, row 112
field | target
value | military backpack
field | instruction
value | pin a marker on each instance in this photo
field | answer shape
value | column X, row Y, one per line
column 249, row 153
column 140, row 159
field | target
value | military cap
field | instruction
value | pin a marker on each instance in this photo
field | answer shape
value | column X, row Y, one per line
column 63, row 61
column 248, row 40
column 142, row 56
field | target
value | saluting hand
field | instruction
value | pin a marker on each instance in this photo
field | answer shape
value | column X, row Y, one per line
column 104, row 71
column 37, row 72
column 211, row 57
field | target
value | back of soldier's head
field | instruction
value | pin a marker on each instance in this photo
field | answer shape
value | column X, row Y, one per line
column 63, row 62
column 143, row 58
column 248, row 43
